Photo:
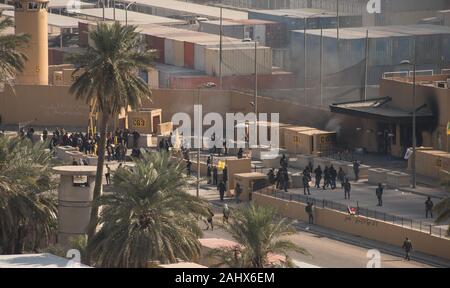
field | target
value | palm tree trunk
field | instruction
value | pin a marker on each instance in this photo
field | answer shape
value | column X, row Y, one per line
column 98, row 180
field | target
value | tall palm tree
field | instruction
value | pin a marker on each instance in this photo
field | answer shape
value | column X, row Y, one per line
column 11, row 60
column 110, row 80
column 261, row 236
column 149, row 217
column 443, row 211
column 27, row 208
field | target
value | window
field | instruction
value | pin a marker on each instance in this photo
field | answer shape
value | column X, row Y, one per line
column 33, row 6
column 18, row 5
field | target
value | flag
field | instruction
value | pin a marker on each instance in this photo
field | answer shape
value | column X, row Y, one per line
column 221, row 165
column 351, row 210
column 448, row 129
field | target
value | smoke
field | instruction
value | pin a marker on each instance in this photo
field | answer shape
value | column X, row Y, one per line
column 334, row 124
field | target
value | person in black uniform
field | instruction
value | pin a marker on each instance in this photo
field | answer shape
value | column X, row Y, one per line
column 318, row 174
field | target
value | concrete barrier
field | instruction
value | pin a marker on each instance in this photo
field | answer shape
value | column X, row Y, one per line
column 397, row 179
column 270, row 161
column 322, row 161
column 296, row 180
column 256, row 152
column 363, row 172
column 61, row 152
column 360, row 226
column 302, row 161
column 378, row 175
column 144, row 141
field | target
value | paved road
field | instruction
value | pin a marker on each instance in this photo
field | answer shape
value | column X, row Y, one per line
column 325, row 251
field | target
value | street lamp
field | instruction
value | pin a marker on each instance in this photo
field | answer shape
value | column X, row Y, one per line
column 200, row 143
column 304, row 49
column 414, row 140
column 126, row 10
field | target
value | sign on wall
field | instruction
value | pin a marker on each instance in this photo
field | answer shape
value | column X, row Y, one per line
column 139, row 123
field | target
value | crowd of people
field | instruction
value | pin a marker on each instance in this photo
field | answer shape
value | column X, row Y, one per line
column 117, row 142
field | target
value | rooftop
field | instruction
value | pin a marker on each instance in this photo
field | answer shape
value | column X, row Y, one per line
column 67, row 4
column 192, row 9
column 299, row 13
column 381, row 31
column 133, row 17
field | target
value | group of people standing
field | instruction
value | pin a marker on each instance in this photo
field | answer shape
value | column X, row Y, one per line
column 281, row 177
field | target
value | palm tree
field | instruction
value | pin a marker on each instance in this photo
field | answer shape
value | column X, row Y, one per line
column 443, row 211
column 260, row 234
column 27, row 208
column 11, row 60
column 109, row 79
column 149, row 217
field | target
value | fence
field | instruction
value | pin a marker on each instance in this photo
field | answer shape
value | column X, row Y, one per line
column 381, row 216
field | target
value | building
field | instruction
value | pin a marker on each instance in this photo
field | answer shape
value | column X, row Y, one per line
column 126, row 17
column 385, row 123
column 363, row 56
column 312, row 18
column 184, row 10
column 393, row 12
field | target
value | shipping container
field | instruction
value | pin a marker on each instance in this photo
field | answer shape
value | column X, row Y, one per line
column 238, row 61
column 157, row 43
column 279, row 80
column 189, row 55
column 230, row 29
column 83, row 34
column 178, row 53
column 166, row 72
column 168, row 51
column 292, row 141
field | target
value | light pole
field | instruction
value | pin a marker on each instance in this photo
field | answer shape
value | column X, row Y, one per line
column 414, row 140
column 200, row 143
column 304, row 51
column 126, row 10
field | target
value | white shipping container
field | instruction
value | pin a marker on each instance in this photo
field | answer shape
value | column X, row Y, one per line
column 178, row 53
column 199, row 50
column 238, row 61
column 168, row 51
column 153, row 78
column 199, row 57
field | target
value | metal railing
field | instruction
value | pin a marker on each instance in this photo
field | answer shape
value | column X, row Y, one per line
column 362, row 211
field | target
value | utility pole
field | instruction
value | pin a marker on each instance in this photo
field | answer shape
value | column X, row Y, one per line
column 321, row 64
column 199, row 143
column 337, row 18
column 256, row 81
column 220, row 49
column 414, row 180
column 304, row 59
column 114, row 10
column 366, row 71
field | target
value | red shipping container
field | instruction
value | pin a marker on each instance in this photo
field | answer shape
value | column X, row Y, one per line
column 83, row 34
column 189, row 61
column 55, row 57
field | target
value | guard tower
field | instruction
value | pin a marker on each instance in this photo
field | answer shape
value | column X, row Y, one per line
column 75, row 195
column 31, row 18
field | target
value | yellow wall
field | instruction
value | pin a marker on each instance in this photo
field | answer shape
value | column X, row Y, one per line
column 44, row 105
column 33, row 23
